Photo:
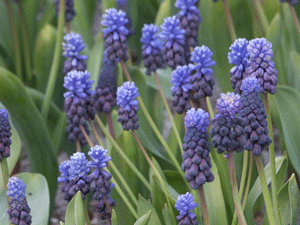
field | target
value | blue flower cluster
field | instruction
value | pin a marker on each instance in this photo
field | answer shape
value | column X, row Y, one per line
column 229, row 105
column 198, row 119
column 184, row 204
column 5, row 135
column 250, row 85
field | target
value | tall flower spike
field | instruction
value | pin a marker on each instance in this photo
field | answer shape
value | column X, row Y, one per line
column 227, row 130
column 123, row 5
column 19, row 211
column 79, row 103
column 5, row 134
column 293, row 2
column 126, row 100
column 115, row 34
column 69, row 9
column 261, row 64
column 181, row 88
column 190, row 20
column 100, row 180
column 238, row 56
column 174, row 45
column 196, row 160
column 152, row 48
column 105, row 97
column 64, row 179
column 202, row 79
column 254, row 114
column 71, row 50
column 184, row 204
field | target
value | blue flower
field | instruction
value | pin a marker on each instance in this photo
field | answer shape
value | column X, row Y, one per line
column 185, row 203
column 3, row 112
column 239, row 53
column 78, row 85
column 293, row 2
column 198, row 119
column 72, row 48
column 78, row 166
column 126, row 95
column 98, row 154
column 170, row 31
column 64, row 170
column 115, row 22
column 150, row 38
column 201, row 56
column 249, row 85
column 16, row 188
column 121, row 3
column 181, row 78
column 186, row 5
column 229, row 105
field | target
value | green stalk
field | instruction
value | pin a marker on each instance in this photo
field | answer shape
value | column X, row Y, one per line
column 56, row 60
column 295, row 18
column 229, row 21
column 272, row 159
column 122, row 154
column 248, row 181
column 15, row 36
column 266, row 194
column 174, row 126
column 261, row 15
column 5, row 175
column 25, row 44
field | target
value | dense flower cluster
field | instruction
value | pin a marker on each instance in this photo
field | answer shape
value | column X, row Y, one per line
column 18, row 211
column 5, row 135
column 69, row 9
column 196, row 160
column 184, row 204
column 115, row 34
column 152, row 48
column 181, row 88
column 239, row 57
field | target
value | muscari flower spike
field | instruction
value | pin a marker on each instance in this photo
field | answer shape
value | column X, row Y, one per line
column 239, row 57
column 190, row 20
column 126, row 100
column 196, row 160
column 69, row 9
column 293, row 2
column 152, row 48
column 5, row 134
column 181, row 88
column 184, row 204
column 261, row 64
column 174, row 45
column 100, row 180
column 123, row 5
column 254, row 114
column 19, row 211
column 202, row 79
column 229, row 105
column 115, row 34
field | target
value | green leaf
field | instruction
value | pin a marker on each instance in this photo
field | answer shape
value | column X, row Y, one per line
column 295, row 63
column 37, row 194
column 114, row 218
column 30, row 126
column 288, row 199
column 144, row 220
column 62, row 223
column 166, row 9
column 274, row 32
column 167, row 215
column 287, row 101
column 144, row 207
column 75, row 211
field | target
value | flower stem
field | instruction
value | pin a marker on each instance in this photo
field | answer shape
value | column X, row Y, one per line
column 78, row 148
column 56, row 60
column 86, row 136
column 203, row 205
column 266, row 194
column 229, row 21
column 95, row 132
column 272, row 159
column 234, row 188
column 108, row 208
column 15, row 36
column 244, row 174
column 122, row 154
column 168, row 110
column 110, row 125
column 248, row 181
column 124, row 68
column 5, row 175
column 295, row 18
column 25, row 44
column 154, row 170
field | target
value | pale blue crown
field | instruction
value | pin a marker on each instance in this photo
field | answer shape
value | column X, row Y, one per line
column 186, row 6
column 229, row 104
column 126, row 95
column 78, row 166
column 260, row 51
column 239, row 53
column 250, row 84
column 185, row 203
column 170, row 31
column 198, row 119
column 99, row 156
column 150, row 38
column 64, row 171
column 181, row 78
column 3, row 112
column 16, row 188
column 201, row 57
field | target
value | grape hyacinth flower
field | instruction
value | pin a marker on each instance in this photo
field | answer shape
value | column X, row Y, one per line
column 261, row 64
column 79, row 103
column 190, row 20
column 254, row 114
column 100, row 180
column 174, row 43
column 71, row 50
column 238, row 56
column 184, row 204
column 74, row 176
column 293, row 2
column 115, row 34
column 181, row 89
column 5, row 135
column 152, row 48
column 227, row 131
column 69, row 9
column 19, row 211
column 196, row 160
column 123, row 5
column 202, row 79
column 126, row 100
column 105, row 97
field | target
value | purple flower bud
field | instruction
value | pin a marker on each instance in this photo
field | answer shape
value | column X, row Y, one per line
column 69, row 9
column 5, row 134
